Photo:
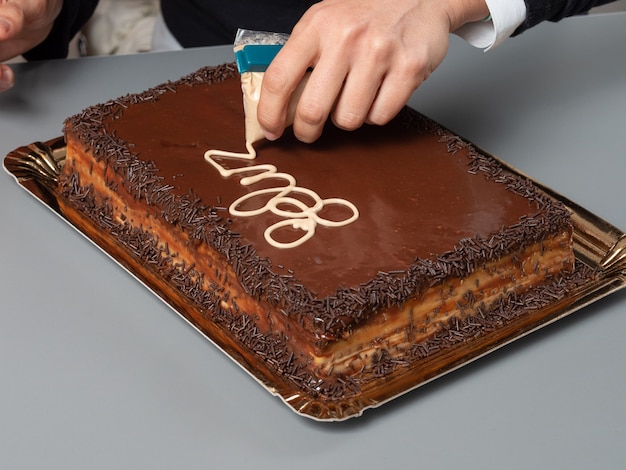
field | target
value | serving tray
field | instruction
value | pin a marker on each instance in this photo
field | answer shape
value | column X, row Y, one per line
column 600, row 252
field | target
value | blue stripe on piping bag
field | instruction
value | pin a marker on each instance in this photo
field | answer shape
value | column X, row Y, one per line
column 256, row 57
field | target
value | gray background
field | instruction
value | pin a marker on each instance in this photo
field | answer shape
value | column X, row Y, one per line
column 96, row 372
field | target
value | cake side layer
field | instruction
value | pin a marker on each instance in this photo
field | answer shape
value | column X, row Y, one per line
column 189, row 260
column 396, row 330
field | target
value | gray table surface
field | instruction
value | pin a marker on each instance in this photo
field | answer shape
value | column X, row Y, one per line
column 96, row 372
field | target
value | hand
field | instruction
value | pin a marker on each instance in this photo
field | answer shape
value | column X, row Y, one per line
column 23, row 25
column 368, row 57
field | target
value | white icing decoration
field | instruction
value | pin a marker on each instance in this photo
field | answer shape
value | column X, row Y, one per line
column 305, row 219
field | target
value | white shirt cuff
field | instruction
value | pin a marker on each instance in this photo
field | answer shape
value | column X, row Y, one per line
column 506, row 16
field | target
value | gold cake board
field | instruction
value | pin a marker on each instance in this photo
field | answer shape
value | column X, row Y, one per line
column 598, row 245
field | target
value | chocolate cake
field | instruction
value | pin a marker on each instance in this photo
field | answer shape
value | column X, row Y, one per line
column 422, row 244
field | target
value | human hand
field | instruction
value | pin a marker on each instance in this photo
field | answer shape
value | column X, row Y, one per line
column 368, row 57
column 23, row 25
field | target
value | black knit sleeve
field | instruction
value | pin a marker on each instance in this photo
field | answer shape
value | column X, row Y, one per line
column 555, row 10
column 73, row 16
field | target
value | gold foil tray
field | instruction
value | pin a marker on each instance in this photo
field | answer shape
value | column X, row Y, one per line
column 598, row 245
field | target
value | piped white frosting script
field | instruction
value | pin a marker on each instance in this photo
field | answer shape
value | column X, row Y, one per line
column 300, row 216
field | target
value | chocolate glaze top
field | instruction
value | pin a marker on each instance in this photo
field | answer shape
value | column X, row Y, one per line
column 430, row 204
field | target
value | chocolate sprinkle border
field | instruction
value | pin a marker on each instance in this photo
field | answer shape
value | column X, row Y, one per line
column 332, row 315
column 328, row 316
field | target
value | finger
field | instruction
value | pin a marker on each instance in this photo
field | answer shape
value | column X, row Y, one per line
column 7, row 78
column 359, row 91
column 279, row 82
column 407, row 72
column 319, row 96
column 390, row 100
column 394, row 92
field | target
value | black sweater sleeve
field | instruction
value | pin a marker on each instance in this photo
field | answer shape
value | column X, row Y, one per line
column 555, row 10
column 73, row 16
column 211, row 22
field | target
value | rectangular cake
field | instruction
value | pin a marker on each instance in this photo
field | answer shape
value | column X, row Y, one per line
column 389, row 246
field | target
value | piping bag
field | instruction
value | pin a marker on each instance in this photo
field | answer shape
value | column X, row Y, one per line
column 254, row 50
